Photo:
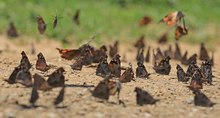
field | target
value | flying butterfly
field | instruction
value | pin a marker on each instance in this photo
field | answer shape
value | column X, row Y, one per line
column 41, row 25
column 173, row 18
column 76, row 17
column 145, row 21
column 55, row 21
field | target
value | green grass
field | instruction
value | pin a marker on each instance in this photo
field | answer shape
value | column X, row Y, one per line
column 111, row 19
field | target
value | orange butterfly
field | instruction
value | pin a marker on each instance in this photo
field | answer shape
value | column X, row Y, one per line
column 173, row 18
column 69, row 54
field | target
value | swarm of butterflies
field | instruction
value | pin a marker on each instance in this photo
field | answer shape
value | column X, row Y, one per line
column 111, row 72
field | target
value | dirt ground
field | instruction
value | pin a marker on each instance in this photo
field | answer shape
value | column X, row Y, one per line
column 175, row 98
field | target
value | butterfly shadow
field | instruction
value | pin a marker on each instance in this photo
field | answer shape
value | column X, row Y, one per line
column 78, row 85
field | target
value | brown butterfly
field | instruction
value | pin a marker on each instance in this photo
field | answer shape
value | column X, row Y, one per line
column 60, row 97
column 177, row 55
column 143, row 97
column 206, row 69
column 115, row 66
column 41, row 63
column 181, row 75
column 141, row 71
column 163, row 67
column 147, row 58
column 25, row 63
column 101, row 90
column 12, row 77
column 140, row 55
column 157, row 57
column 128, row 75
column 145, row 21
column 163, row 39
column 55, row 21
column 78, row 64
column 173, row 18
column 200, row 99
column 196, row 82
column 203, row 52
column 41, row 25
column 24, row 77
column 34, row 97
column 190, row 70
column 69, row 54
column 103, row 67
column 40, row 83
column 12, row 32
column 180, row 31
column 57, row 79
column 140, row 42
column 192, row 59
column 76, row 17
column 87, row 57
column 113, row 50
column 184, row 57
column 97, row 54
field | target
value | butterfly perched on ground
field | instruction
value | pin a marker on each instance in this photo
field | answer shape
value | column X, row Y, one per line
column 57, row 79
column 69, row 54
column 140, row 42
column 128, row 75
column 163, row 67
column 103, row 68
column 191, row 59
column 78, row 64
column 173, row 18
column 60, row 96
column 99, row 53
column 12, row 77
column 101, row 90
column 76, row 17
column 181, row 74
column 113, row 50
column 140, row 55
column 206, row 68
column 115, row 66
column 41, row 63
column 196, row 81
column 34, row 97
column 163, row 39
column 41, row 25
column 200, row 99
column 25, row 63
column 157, row 57
column 203, row 53
column 143, row 97
column 145, row 21
column 24, row 77
column 12, row 31
column 147, row 58
column 141, row 71
column 40, row 83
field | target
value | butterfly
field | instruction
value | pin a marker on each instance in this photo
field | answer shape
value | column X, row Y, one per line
column 113, row 50
column 101, row 91
column 34, row 97
column 200, row 99
column 206, row 68
column 147, row 58
column 143, row 97
column 78, row 64
column 103, row 68
column 25, row 63
column 41, row 63
column 180, row 31
column 163, row 39
column 203, row 52
column 41, row 25
column 141, row 71
column 115, row 66
column 24, row 77
column 184, row 57
column 181, row 75
column 69, row 54
column 140, row 55
column 177, row 53
column 12, row 77
column 164, row 66
column 60, row 97
column 12, row 32
column 157, row 57
column 55, row 21
column 192, row 59
column 57, row 79
column 145, row 21
column 140, row 42
column 173, row 18
column 128, row 75
column 97, row 54
column 76, row 17
column 196, row 82
column 40, row 83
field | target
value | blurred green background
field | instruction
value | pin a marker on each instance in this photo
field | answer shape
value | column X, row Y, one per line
column 111, row 19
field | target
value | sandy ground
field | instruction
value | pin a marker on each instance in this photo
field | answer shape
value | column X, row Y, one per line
column 173, row 95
